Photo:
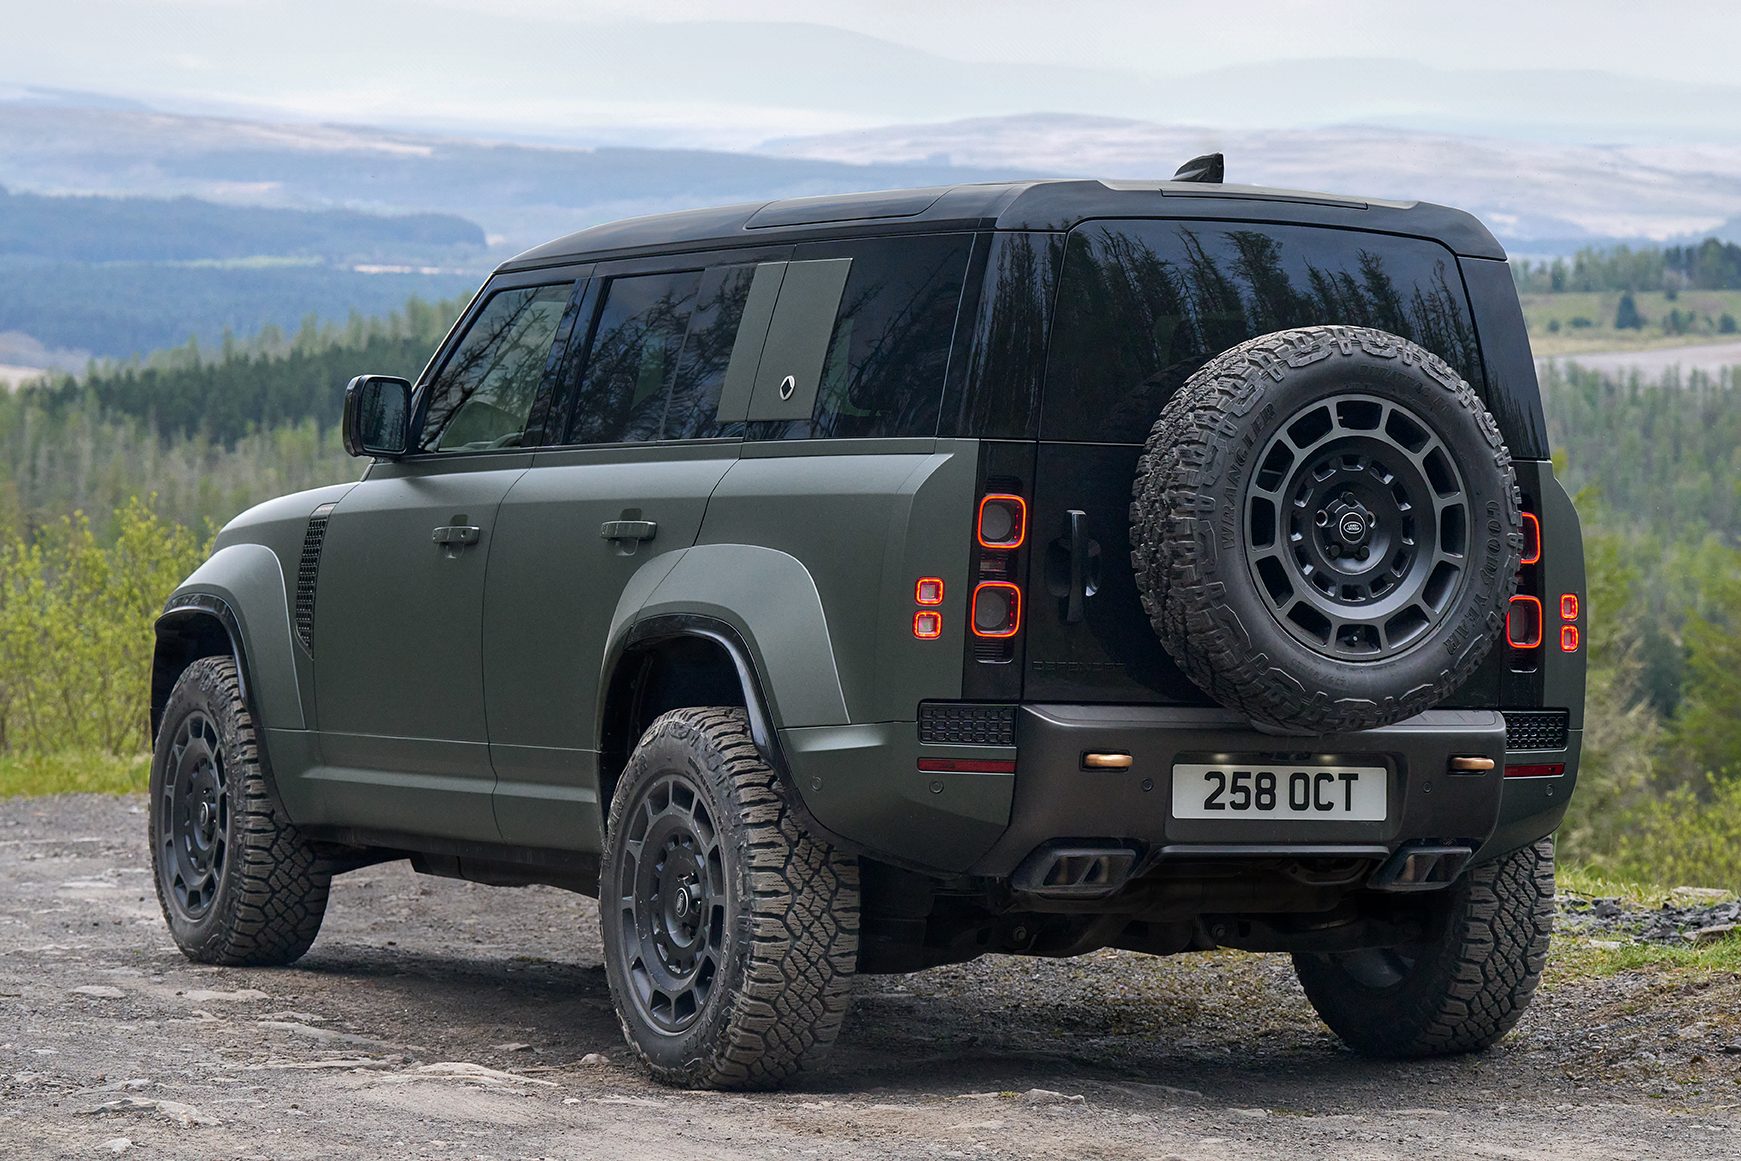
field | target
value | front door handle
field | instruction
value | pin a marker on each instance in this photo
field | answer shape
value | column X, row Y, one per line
column 628, row 530
column 456, row 535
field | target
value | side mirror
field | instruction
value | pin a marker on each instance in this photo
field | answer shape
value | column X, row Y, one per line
column 377, row 416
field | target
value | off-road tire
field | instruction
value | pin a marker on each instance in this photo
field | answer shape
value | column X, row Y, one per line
column 1463, row 990
column 790, row 902
column 1190, row 540
column 271, row 893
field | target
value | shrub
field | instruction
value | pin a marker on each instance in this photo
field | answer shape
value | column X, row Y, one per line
column 76, row 631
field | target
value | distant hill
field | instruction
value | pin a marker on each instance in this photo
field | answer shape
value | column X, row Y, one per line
column 135, row 229
column 521, row 194
column 1538, row 198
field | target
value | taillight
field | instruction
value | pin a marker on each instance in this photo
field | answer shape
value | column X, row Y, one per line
column 1002, row 521
column 928, row 591
column 1532, row 539
column 927, row 625
column 997, row 609
column 1523, row 622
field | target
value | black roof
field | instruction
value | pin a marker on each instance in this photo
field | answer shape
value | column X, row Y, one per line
column 1016, row 205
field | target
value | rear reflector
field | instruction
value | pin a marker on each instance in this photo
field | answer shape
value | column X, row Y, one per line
column 1523, row 622
column 1543, row 770
column 1532, row 539
column 1568, row 638
column 967, row 765
column 927, row 626
column 1568, row 606
column 928, row 591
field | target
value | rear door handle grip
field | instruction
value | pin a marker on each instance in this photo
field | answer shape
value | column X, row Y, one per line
column 456, row 535
column 628, row 530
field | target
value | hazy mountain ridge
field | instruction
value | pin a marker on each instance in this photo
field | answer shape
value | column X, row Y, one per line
column 1535, row 196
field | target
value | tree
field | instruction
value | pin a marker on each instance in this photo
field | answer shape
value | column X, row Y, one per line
column 1627, row 317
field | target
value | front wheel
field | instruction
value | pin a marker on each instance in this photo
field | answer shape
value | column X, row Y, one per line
column 1461, row 989
column 238, row 883
column 730, row 934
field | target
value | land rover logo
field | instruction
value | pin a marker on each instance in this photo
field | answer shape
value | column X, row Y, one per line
column 1353, row 527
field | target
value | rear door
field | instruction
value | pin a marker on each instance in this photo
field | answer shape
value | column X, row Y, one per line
column 648, row 430
column 397, row 633
column 1142, row 305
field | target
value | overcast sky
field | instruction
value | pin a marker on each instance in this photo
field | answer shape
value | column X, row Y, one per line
column 672, row 70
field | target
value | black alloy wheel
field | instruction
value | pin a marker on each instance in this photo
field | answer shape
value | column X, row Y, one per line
column 1359, row 527
column 730, row 933
column 673, row 894
column 195, row 805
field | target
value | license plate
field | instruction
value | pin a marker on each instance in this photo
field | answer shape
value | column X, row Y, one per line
column 1253, row 790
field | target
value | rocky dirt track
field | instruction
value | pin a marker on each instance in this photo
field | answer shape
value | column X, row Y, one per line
column 444, row 1020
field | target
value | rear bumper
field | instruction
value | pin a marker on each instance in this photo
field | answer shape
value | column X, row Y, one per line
column 862, row 785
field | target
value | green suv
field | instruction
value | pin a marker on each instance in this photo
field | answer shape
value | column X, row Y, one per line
column 864, row 583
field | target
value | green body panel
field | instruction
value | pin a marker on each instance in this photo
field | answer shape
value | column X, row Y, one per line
column 250, row 579
column 797, row 339
column 863, row 520
column 549, row 608
column 398, row 648
column 863, row 782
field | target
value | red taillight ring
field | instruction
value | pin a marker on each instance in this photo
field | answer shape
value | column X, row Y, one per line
column 1534, row 604
column 1018, row 521
column 1013, row 616
column 1532, row 539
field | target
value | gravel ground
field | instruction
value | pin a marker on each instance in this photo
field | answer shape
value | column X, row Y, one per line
column 445, row 1020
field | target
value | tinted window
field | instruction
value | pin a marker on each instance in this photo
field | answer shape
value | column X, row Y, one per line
column 719, row 308
column 889, row 350
column 633, row 358
column 1143, row 305
column 1001, row 395
column 483, row 395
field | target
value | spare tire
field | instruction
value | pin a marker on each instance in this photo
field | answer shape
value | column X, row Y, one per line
column 1326, row 529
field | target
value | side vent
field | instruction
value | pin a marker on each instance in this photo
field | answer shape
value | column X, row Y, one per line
column 308, row 573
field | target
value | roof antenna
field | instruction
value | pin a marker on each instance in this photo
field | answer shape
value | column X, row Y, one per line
column 1210, row 168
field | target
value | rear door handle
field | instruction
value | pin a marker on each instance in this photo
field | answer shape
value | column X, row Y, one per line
column 628, row 530
column 456, row 535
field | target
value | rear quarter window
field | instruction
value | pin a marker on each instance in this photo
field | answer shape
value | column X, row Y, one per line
column 889, row 349
column 1143, row 305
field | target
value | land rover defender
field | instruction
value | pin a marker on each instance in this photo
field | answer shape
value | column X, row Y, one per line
column 863, row 583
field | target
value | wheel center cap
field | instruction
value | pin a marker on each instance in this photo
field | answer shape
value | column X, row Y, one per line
column 205, row 816
column 683, row 902
column 1352, row 528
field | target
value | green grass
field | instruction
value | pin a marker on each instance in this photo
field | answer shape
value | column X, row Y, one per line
column 23, row 775
column 1541, row 311
column 1579, row 957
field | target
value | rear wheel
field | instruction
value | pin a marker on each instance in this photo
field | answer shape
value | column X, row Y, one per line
column 731, row 935
column 1459, row 991
column 238, row 883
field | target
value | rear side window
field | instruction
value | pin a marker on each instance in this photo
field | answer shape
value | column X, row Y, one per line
column 633, row 359
column 482, row 397
column 1142, row 305
column 888, row 352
